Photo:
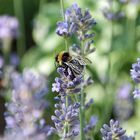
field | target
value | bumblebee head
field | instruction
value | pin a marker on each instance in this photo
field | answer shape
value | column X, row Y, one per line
column 62, row 57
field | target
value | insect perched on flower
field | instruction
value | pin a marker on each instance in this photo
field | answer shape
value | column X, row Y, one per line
column 74, row 63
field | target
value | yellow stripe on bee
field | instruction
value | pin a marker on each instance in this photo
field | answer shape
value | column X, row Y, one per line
column 60, row 57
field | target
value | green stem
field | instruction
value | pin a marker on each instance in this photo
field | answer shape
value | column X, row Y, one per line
column 63, row 15
column 62, row 9
column 66, row 44
column 66, row 127
column 19, row 12
column 6, row 48
column 82, row 117
column 82, row 105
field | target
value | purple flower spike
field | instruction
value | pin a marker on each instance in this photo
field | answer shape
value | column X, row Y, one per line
column 8, row 27
column 66, row 116
column 136, row 93
column 135, row 71
column 26, row 107
column 114, row 132
column 67, row 85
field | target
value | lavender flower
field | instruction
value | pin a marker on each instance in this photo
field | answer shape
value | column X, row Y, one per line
column 8, row 27
column 135, row 71
column 66, row 119
column 26, row 106
column 136, row 93
column 124, row 1
column 14, row 59
column 124, row 104
column 129, row 1
column 76, row 22
column 84, row 21
column 66, row 85
column 135, row 75
column 114, row 132
column 67, row 113
column 113, row 16
column 64, row 29
column 89, row 103
column 69, row 86
column 92, row 123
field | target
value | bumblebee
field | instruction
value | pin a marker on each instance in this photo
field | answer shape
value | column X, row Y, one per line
column 75, row 63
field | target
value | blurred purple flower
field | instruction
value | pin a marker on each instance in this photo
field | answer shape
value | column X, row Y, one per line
column 124, row 104
column 8, row 27
column 89, row 103
column 92, row 123
column 124, row 91
column 110, row 15
column 135, row 75
column 27, row 105
column 14, row 59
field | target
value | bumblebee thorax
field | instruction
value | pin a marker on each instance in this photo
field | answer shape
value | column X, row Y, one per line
column 63, row 57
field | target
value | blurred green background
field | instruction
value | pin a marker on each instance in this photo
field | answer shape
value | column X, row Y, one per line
column 117, row 46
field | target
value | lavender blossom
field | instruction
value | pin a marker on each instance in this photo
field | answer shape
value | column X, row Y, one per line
column 113, row 16
column 65, row 85
column 129, row 1
column 67, row 113
column 64, row 29
column 136, row 93
column 8, row 27
column 69, row 85
column 14, row 59
column 66, row 118
column 92, row 123
column 84, row 21
column 124, row 1
column 135, row 71
column 76, row 22
column 114, row 132
column 124, row 104
column 135, row 75
column 26, row 107
column 89, row 103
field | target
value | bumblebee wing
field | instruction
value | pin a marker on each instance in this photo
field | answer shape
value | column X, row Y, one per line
column 88, row 61
column 82, row 61
column 76, row 68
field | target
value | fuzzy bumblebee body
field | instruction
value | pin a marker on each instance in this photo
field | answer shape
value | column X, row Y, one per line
column 76, row 64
